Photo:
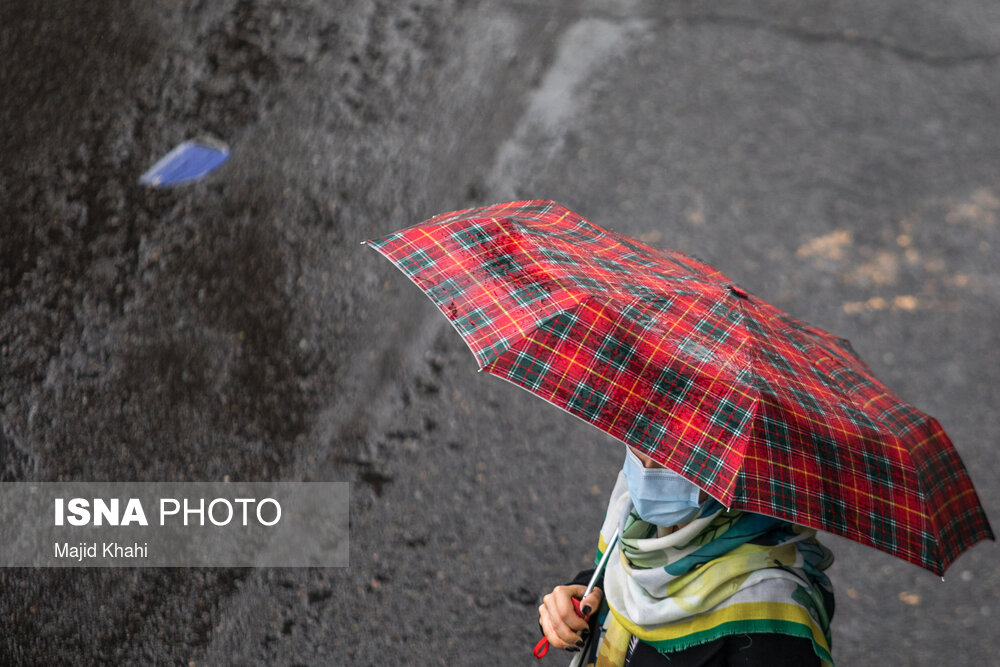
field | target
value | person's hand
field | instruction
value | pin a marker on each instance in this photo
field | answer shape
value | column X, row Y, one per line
column 559, row 621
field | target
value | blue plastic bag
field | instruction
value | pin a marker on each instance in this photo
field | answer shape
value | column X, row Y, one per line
column 189, row 161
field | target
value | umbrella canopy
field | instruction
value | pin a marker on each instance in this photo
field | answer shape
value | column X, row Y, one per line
column 662, row 351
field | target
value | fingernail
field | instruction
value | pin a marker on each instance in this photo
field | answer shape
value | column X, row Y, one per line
column 586, row 610
column 579, row 644
column 585, row 633
column 572, row 649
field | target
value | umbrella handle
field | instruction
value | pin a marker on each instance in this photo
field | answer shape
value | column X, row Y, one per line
column 542, row 647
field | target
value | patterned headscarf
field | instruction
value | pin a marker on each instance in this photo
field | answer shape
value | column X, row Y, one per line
column 724, row 573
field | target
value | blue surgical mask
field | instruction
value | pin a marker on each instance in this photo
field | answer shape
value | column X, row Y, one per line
column 659, row 495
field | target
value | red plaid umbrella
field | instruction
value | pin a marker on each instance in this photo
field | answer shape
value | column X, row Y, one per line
column 762, row 411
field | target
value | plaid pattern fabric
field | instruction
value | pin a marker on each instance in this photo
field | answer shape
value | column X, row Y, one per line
column 662, row 351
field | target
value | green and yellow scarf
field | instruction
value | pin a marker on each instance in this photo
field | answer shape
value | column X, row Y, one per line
column 724, row 573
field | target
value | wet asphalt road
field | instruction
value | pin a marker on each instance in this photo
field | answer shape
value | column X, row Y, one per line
column 838, row 160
